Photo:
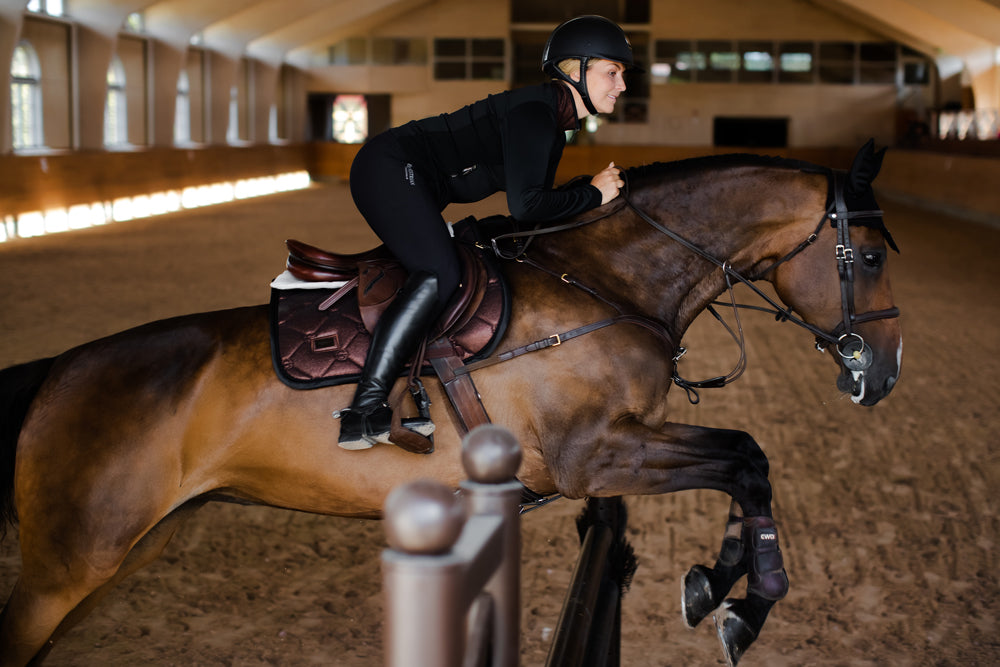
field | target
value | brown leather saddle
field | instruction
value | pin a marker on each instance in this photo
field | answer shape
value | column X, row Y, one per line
column 320, row 337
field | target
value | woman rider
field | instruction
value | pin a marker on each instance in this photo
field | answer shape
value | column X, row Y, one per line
column 402, row 179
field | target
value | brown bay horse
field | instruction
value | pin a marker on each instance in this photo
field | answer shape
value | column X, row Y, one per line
column 107, row 448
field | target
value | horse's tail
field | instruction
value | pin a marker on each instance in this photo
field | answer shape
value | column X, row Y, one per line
column 18, row 387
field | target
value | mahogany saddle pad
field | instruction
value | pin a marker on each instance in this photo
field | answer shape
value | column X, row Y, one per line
column 320, row 337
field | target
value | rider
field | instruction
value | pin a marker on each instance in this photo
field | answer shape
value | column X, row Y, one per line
column 402, row 179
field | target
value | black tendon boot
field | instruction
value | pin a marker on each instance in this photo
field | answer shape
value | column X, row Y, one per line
column 396, row 338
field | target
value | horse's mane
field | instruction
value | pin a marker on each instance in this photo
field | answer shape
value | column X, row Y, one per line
column 860, row 199
column 710, row 162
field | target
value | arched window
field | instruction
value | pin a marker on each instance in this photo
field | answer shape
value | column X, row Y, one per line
column 50, row 7
column 115, row 116
column 182, row 115
column 135, row 22
column 272, row 123
column 233, row 130
column 25, row 97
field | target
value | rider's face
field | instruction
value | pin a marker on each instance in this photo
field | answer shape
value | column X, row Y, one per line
column 605, row 83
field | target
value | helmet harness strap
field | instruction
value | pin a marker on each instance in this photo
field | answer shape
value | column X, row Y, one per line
column 581, row 85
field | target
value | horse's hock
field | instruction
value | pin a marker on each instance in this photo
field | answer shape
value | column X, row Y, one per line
column 453, row 563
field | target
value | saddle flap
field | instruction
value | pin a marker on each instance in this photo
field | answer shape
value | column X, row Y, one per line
column 379, row 281
column 468, row 296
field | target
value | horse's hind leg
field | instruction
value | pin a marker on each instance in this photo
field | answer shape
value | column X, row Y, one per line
column 33, row 619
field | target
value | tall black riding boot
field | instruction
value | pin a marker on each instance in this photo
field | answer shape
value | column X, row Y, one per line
column 396, row 338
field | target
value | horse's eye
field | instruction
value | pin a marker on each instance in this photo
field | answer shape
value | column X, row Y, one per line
column 872, row 259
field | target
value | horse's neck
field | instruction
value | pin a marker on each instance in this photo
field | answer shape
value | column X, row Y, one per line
column 627, row 265
column 732, row 218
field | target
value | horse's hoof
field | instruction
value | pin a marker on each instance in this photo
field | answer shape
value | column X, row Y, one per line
column 696, row 596
column 735, row 634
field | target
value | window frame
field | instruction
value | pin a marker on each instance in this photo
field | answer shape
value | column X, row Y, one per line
column 233, row 116
column 27, row 131
column 399, row 51
column 468, row 64
column 349, row 51
column 831, row 62
column 182, row 109
column 49, row 7
column 793, row 75
column 754, row 74
column 879, row 63
column 116, row 105
column 135, row 23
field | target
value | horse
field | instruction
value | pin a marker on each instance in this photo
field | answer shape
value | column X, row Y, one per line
column 107, row 448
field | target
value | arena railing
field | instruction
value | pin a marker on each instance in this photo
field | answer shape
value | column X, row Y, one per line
column 451, row 575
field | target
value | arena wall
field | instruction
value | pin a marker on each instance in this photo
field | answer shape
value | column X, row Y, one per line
column 44, row 182
column 963, row 185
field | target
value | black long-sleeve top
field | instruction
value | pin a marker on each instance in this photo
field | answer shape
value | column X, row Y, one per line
column 509, row 142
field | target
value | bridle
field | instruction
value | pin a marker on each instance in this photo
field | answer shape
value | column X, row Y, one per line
column 857, row 356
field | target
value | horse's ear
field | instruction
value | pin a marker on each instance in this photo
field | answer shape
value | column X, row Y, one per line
column 858, row 189
column 865, row 168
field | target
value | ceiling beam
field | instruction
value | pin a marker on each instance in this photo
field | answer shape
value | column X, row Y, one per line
column 303, row 47
column 956, row 50
column 177, row 21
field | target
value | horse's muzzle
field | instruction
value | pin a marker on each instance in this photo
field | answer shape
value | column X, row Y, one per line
column 853, row 383
column 861, row 388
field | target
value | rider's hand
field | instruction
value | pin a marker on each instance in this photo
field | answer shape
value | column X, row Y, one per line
column 608, row 181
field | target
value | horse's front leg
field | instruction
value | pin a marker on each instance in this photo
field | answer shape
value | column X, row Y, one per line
column 749, row 547
column 636, row 459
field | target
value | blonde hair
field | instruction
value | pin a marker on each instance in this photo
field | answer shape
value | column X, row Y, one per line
column 571, row 66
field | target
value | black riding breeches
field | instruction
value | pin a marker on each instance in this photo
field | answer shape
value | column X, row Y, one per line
column 403, row 208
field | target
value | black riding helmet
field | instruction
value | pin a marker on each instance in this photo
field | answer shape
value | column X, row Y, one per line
column 583, row 38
